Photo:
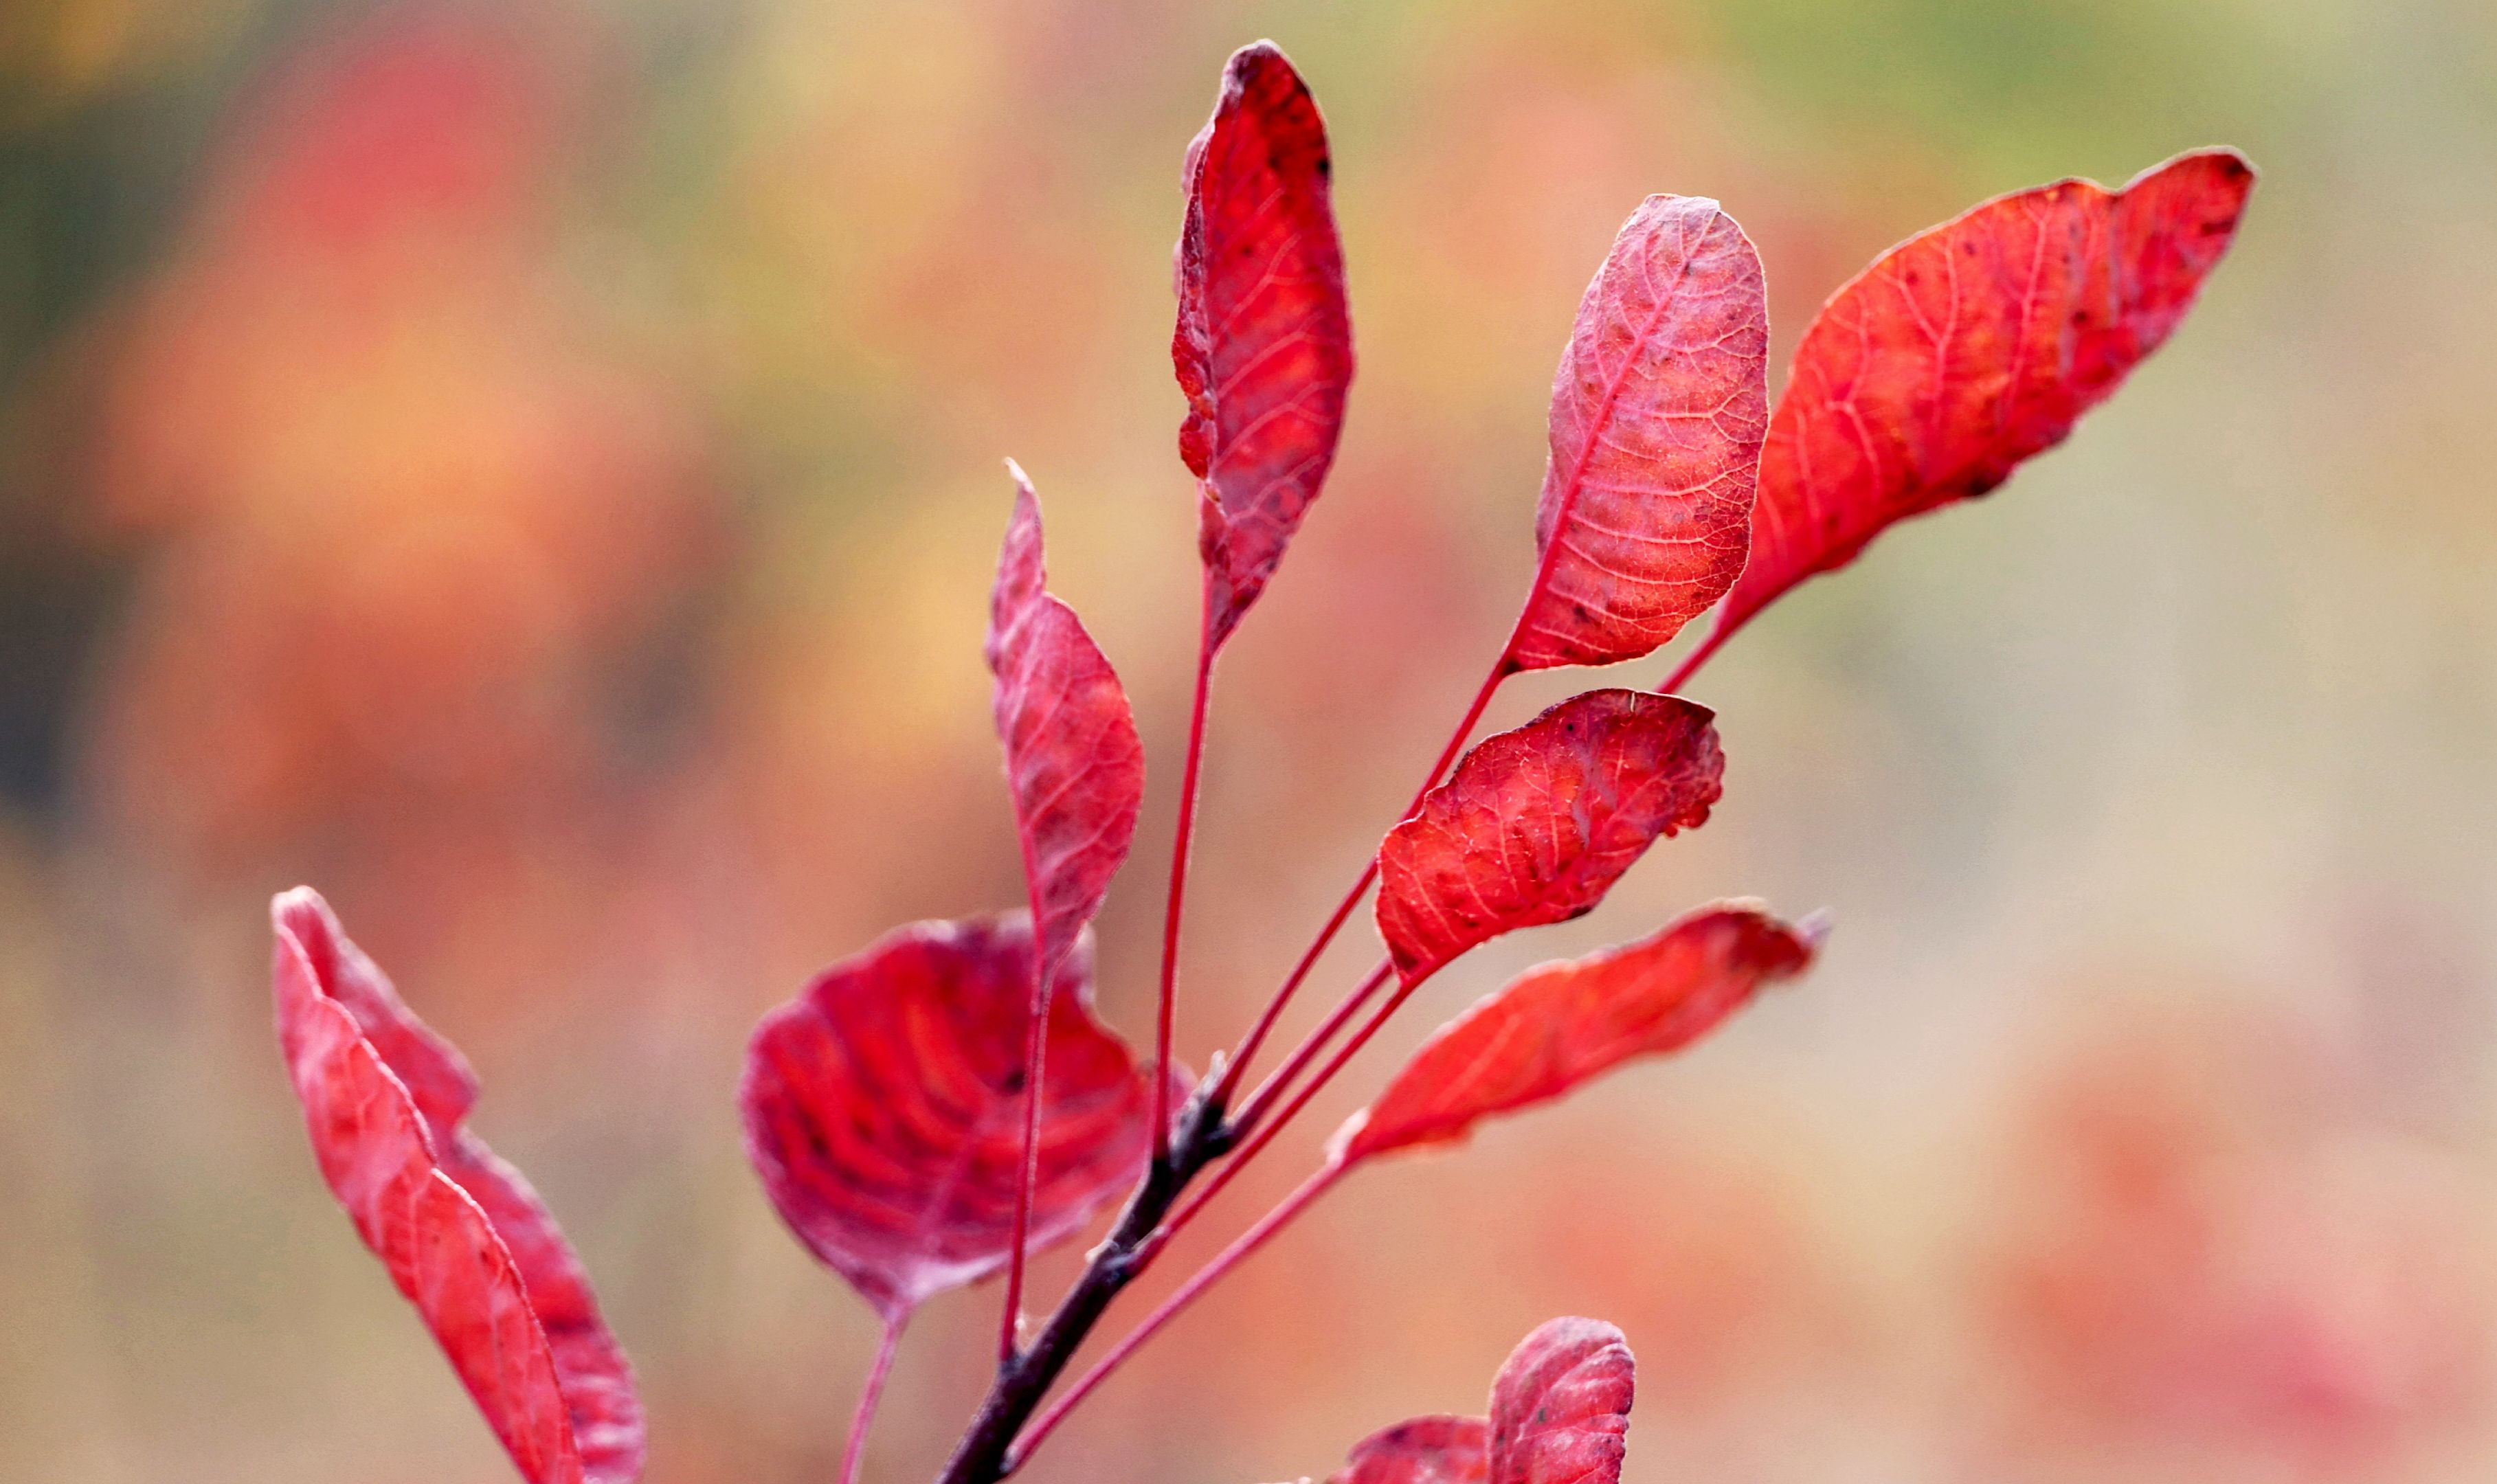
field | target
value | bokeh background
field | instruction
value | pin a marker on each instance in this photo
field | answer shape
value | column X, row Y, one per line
column 531, row 469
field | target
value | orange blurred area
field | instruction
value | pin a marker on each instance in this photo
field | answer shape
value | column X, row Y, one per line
column 532, row 471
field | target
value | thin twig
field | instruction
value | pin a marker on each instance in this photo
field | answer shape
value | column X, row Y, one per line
column 1181, row 837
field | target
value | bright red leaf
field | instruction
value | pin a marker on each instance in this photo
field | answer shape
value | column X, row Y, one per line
column 1073, row 762
column 1538, row 823
column 1561, row 1407
column 1560, row 1412
column 1427, row 1450
column 884, row 1108
column 1969, row 348
column 464, row 1236
column 1264, row 344
column 1657, row 412
column 1559, row 1025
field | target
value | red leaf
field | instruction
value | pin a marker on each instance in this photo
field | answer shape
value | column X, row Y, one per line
column 1073, row 762
column 883, row 1108
column 1969, row 348
column 1264, row 344
column 1426, row 1450
column 1537, row 824
column 1657, row 415
column 1561, row 1407
column 464, row 1236
column 1559, row 1025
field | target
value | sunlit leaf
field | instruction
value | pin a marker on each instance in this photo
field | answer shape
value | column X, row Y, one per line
column 1073, row 762
column 1657, row 412
column 1264, row 345
column 1559, row 1025
column 462, row 1235
column 883, row 1108
column 1559, row 1408
column 1969, row 348
column 1536, row 824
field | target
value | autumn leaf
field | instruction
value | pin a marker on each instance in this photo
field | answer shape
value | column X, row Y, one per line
column 1560, row 1408
column 1426, row 1450
column 1263, row 347
column 1537, row 824
column 386, row 1102
column 1658, row 411
column 884, row 1108
column 1971, row 347
column 1559, row 1025
column 1073, row 761
column 1560, row 1413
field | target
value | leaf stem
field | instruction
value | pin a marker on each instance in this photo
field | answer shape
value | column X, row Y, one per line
column 1500, row 670
column 1229, row 1257
column 871, row 1395
column 1253, row 1110
column 1697, row 657
column 1036, row 1063
column 1182, row 837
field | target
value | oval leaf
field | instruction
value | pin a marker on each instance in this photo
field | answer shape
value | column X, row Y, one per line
column 1559, row 1025
column 1263, row 347
column 1657, row 412
column 1073, row 761
column 1426, row 1450
column 462, row 1235
column 883, row 1108
column 1559, row 1408
column 1969, row 348
column 1537, row 824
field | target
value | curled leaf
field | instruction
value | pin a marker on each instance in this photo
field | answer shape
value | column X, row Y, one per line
column 1657, row 412
column 883, row 1108
column 386, row 1102
column 1559, row 1408
column 1263, row 346
column 1426, row 1450
column 1073, row 761
column 1559, row 1025
column 1971, row 347
column 1537, row 824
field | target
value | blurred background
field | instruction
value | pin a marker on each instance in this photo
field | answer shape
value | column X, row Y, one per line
column 531, row 469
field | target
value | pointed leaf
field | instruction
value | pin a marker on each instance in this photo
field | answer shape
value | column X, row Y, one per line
column 1560, row 1409
column 883, row 1108
column 1969, row 348
column 1657, row 412
column 1426, row 1450
column 462, row 1235
column 1264, row 344
column 1537, row 824
column 1559, row 1025
column 1073, row 761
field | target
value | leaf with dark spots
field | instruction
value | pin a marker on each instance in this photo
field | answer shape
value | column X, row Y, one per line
column 1263, row 346
column 1559, row 1025
column 386, row 1102
column 1426, row 1450
column 1073, row 761
column 1559, row 1408
column 1971, row 347
column 1537, row 824
column 884, row 1108
column 1657, row 412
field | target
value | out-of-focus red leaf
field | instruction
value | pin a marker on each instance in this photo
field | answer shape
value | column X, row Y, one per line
column 1426, row 1450
column 1538, row 823
column 1073, row 761
column 1970, row 347
column 1559, row 1408
column 883, row 1108
column 1264, row 343
column 1657, row 412
column 464, row 1236
column 1559, row 1025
